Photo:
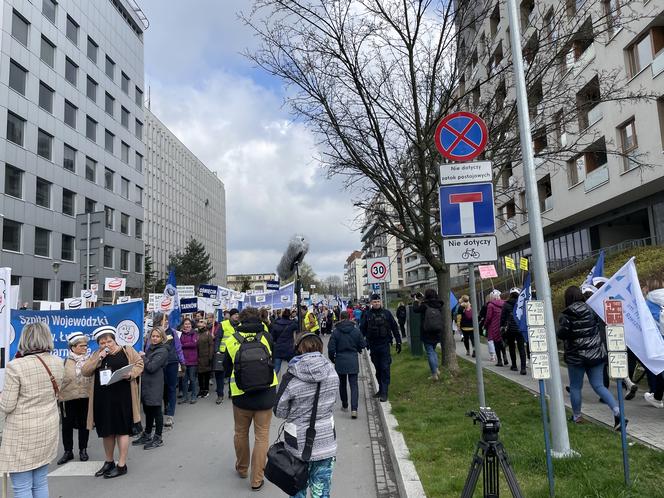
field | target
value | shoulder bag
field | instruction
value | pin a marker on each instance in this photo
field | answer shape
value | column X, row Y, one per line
column 56, row 389
column 286, row 471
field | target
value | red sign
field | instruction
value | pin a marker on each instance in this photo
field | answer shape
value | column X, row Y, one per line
column 461, row 136
column 613, row 312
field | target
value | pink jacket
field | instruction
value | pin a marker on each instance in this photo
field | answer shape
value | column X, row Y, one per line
column 492, row 320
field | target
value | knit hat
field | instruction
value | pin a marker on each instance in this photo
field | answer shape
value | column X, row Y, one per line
column 234, row 311
column 75, row 337
column 103, row 330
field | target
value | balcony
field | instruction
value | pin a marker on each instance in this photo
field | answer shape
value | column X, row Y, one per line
column 594, row 115
column 585, row 58
column 595, row 178
column 548, row 204
column 657, row 64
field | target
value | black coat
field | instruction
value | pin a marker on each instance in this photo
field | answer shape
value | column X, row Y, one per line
column 580, row 332
column 421, row 308
column 283, row 331
column 401, row 313
column 345, row 344
column 152, row 380
column 507, row 318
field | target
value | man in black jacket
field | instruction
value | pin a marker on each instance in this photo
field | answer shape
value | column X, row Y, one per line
column 512, row 333
column 432, row 327
column 401, row 317
column 379, row 326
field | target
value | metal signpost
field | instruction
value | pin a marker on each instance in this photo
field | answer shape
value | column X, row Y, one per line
column 467, row 217
column 540, row 370
column 615, row 343
column 378, row 272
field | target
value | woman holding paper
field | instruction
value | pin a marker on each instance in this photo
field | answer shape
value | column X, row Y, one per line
column 114, row 403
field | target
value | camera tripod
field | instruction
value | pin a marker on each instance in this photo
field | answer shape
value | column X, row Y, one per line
column 488, row 455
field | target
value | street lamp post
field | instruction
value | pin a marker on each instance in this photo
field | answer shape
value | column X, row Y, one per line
column 56, row 268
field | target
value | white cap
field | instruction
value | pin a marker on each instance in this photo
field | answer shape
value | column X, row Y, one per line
column 597, row 280
column 514, row 290
column 104, row 329
column 74, row 337
column 496, row 292
column 588, row 288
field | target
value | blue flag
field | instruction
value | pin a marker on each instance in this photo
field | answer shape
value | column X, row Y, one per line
column 453, row 300
column 171, row 291
column 597, row 270
column 520, row 307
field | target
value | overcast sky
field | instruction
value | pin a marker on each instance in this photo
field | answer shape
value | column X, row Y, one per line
column 232, row 116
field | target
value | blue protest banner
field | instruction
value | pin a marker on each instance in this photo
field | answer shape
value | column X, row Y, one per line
column 189, row 305
column 207, row 290
column 126, row 318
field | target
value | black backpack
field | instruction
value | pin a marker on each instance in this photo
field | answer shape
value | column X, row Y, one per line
column 433, row 321
column 253, row 367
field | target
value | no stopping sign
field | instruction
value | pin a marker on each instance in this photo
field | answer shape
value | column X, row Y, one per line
column 378, row 270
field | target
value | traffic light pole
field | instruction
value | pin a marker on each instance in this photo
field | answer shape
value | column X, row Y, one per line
column 559, row 434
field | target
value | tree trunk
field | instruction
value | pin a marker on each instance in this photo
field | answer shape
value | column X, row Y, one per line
column 447, row 343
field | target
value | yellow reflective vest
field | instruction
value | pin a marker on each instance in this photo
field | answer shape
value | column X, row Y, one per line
column 311, row 322
column 229, row 330
column 233, row 346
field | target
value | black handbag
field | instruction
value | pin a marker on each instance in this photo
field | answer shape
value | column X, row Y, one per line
column 218, row 361
column 286, row 471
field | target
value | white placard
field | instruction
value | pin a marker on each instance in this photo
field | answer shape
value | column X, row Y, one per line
column 535, row 313
column 185, row 291
column 115, row 284
column 49, row 305
column 75, row 303
column 537, row 339
column 305, row 294
column 206, row 304
column 475, row 172
column 13, row 296
column 94, row 288
column 89, row 296
column 615, row 338
column 618, row 365
column 539, row 366
column 378, row 270
column 470, row 250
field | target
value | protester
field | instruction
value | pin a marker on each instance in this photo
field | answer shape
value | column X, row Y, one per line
column 189, row 341
column 510, row 331
column 283, row 334
column 113, row 409
column 378, row 326
column 205, row 353
column 29, row 404
column 401, row 318
column 226, row 330
column 155, row 359
column 464, row 320
column 175, row 359
column 344, row 346
column 432, row 326
column 253, row 390
column 585, row 353
column 492, row 323
column 309, row 373
column 310, row 321
column 357, row 313
column 74, row 395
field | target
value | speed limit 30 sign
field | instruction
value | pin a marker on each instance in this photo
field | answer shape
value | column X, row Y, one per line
column 378, row 270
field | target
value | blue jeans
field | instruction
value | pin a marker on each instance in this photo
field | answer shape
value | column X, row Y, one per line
column 31, row 483
column 277, row 365
column 320, row 479
column 432, row 356
column 596, row 378
column 190, row 382
column 170, row 387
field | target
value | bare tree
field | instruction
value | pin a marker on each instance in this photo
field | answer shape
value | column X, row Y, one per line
column 373, row 78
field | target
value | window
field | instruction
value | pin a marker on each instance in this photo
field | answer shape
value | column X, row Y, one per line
column 46, row 97
column 71, row 71
column 124, row 223
column 40, row 289
column 11, row 235
column 138, row 98
column 47, row 51
column 139, row 162
column 48, row 9
column 90, row 169
column 108, row 257
column 42, row 242
column 17, row 77
column 139, row 195
column 139, row 130
column 67, row 250
column 13, row 181
column 44, row 144
column 612, row 13
column 138, row 229
column 91, row 128
column 125, row 153
column 545, row 193
column 20, row 28
column 110, row 68
column 69, row 158
column 93, row 50
column 109, row 140
column 138, row 263
column 43, row 193
column 108, row 217
column 68, row 202
column 91, row 90
column 124, row 83
column 628, row 143
column 15, row 128
column 124, row 187
column 72, row 30
column 588, row 104
column 108, row 179
column 124, row 260
column 640, row 55
column 109, row 104
column 70, row 114
column 124, row 117
column 90, row 205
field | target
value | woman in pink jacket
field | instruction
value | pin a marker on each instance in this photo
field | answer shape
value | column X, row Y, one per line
column 189, row 341
column 492, row 325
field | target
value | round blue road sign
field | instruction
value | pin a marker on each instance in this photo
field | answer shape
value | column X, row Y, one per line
column 461, row 136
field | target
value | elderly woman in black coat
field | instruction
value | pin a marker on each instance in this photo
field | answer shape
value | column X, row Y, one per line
column 152, row 390
column 345, row 344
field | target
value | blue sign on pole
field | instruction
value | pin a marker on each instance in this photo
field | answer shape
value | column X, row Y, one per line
column 375, row 287
column 272, row 285
column 467, row 210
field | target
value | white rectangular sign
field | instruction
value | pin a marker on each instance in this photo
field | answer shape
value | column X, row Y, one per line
column 49, row 305
column 470, row 250
column 535, row 313
column 185, row 291
column 115, row 284
column 89, row 296
column 455, row 173
column 537, row 339
column 615, row 338
column 618, row 365
column 539, row 366
column 378, row 270
column 75, row 303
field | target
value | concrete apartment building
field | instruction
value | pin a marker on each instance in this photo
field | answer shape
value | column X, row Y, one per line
column 590, row 198
column 354, row 282
column 71, row 142
column 184, row 200
column 256, row 281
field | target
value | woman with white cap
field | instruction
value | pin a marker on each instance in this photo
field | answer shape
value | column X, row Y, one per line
column 74, row 395
column 114, row 407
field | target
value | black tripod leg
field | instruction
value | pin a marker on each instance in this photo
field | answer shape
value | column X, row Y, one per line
column 474, row 472
column 508, row 471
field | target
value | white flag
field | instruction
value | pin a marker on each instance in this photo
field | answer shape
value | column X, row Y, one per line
column 5, row 322
column 641, row 331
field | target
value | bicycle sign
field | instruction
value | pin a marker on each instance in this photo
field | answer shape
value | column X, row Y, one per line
column 470, row 250
column 378, row 270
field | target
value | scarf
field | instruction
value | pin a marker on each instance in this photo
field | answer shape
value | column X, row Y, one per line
column 79, row 359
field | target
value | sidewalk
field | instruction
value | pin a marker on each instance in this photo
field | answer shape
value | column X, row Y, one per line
column 646, row 423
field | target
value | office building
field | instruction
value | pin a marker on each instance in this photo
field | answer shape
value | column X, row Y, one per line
column 354, row 281
column 255, row 282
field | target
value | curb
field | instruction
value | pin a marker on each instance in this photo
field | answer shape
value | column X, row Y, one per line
column 408, row 480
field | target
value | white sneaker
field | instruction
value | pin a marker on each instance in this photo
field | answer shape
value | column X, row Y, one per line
column 168, row 421
column 650, row 399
